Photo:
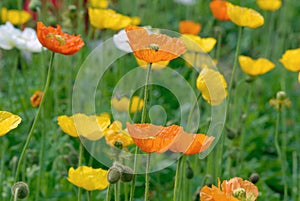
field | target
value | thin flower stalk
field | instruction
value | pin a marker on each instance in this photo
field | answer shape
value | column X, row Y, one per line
column 35, row 119
column 81, row 148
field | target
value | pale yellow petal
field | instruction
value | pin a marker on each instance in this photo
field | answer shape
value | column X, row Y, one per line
column 270, row 5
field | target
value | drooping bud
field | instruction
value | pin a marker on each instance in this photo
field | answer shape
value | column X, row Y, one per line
column 254, row 178
column 114, row 174
column 20, row 189
column 127, row 174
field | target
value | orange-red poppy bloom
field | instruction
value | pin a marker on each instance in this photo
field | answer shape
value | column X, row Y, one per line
column 151, row 138
column 153, row 47
column 219, row 10
column 36, row 98
column 57, row 41
column 189, row 144
column 189, row 27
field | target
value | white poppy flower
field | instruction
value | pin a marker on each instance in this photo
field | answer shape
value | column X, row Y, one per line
column 7, row 34
column 121, row 41
column 11, row 37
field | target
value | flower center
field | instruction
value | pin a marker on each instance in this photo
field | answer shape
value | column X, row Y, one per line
column 61, row 39
column 240, row 193
column 154, row 46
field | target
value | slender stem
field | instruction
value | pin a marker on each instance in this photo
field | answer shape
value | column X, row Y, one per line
column 191, row 112
column 79, row 164
column 132, row 188
column 144, row 112
column 36, row 117
column 16, row 194
column 147, row 179
column 89, row 197
column 116, row 191
column 177, row 178
column 108, row 193
column 280, row 155
column 237, row 52
column 143, row 120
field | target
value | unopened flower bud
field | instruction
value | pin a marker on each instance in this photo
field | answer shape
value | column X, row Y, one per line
column 113, row 175
column 34, row 5
column 72, row 8
column 20, row 189
column 127, row 174
column 118, row 144
column 239, row 193
column 254, row 177
column 281, row 95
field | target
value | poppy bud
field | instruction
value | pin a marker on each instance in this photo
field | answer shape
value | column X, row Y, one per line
column 72, row 8
column 239, row 193
column 281, row 95
column 34, row 5
column 254, row 178
column 114, row 174
column 21, row 189
column 127, row 174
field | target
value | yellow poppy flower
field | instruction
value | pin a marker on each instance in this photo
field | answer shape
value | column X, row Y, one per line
column 155, row 66
column 108, row 19
column 291, row 60
column 197, row 44
column 255, row 67
column 122, row 104
column 15, row 17
column 115, row 133
column 90, row 127
column 212, row 85
column 245, row 17
column 270, row 5
column 8, row 121
column 98, row 3
column 88, row 178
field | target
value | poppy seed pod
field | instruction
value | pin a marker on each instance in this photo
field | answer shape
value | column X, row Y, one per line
column 254, row 178
column 114, row 174
column 240, row 193
column 21, row 189
column 127, row 174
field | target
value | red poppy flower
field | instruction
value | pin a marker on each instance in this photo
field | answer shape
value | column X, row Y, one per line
column 219, row 10
column 57, row 41
column 151, row 138
column 153, row 48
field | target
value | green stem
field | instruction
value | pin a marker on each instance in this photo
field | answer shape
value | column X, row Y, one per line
column 89, row 197
column 279, row 153
column 36, row 117
column 147, row 179
column 79, row 164
column 143, row 120
column 116, row 191
column 177, row 178
column 16, row 194
column 108, row 193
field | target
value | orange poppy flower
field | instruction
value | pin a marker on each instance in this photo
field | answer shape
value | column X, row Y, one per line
column 191, row 143
column 189, row 27
column 57, row 41
column 219, row 10
column 153, row 47
column 36, row 98
column 151, row 138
